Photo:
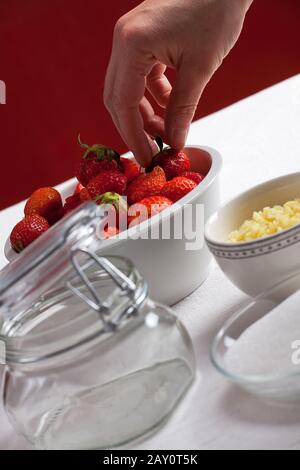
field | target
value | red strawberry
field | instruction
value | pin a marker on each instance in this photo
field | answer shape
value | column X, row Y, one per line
column 117, row 216
column 173, row 162
column 194, row 176
column 147, row 207
column 78, row 188
column 177, row 188
column 107, row 181
column 145, row 185
column 26, row 231
column 72, row 202
column 84, row 195
column 46, row 202
column 97, row 158
column 109, row 232
column 130, row 169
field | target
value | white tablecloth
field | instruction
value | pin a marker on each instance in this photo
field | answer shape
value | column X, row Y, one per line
column 259, row 138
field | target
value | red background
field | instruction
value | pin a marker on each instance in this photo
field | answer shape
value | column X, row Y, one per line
column 53, row 56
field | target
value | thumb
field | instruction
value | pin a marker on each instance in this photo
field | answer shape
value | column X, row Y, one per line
column 183, row 102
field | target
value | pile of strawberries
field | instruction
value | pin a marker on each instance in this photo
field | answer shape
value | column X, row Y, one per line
column 133, row 194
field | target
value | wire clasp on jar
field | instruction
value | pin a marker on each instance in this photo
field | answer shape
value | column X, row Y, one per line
column 126, row 285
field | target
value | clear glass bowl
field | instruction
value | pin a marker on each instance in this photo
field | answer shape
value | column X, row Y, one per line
column 252, row 370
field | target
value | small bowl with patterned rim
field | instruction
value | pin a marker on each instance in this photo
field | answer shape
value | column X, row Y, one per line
column 255, row 266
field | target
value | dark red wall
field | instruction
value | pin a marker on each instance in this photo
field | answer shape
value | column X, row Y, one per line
column 53, row 56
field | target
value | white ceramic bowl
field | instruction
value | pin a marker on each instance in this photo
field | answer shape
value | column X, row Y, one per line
column 257, row 265
column 171, row 270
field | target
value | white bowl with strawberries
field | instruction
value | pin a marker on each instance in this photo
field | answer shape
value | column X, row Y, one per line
column 155, row 217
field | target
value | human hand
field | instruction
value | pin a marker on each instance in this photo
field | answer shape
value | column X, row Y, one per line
column 190, row 36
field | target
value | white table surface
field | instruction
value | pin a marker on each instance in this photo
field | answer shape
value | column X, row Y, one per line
column 259, row 138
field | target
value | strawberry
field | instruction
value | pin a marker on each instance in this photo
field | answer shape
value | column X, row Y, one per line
column 46, row 202
column 130, row 169
column 109, row 232
column 26, row 231
column 78, row 188
column 173, row 162
column 97, row 158
column 72, row 202
column 145, row 185
column 146, row 208
column 107, row 181
column 194, row 176
column 117, row 216
column 177, row 188
column 84, row 195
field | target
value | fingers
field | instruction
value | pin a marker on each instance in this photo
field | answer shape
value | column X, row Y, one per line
column 124, row 90
column 133, row 133
column 158, row 85
column 183, row 103
column 108, row 87
column 153, row 124
column 130, row 84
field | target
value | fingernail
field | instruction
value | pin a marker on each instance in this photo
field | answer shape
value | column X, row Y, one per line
column 179, row 137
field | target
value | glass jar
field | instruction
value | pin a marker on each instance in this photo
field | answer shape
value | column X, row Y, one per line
column 91, row 361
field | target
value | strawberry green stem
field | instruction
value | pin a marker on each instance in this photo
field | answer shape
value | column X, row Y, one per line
column 99, row 150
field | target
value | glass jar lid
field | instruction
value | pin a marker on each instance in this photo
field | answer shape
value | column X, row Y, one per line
column 46, row 260
column 66, row 262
